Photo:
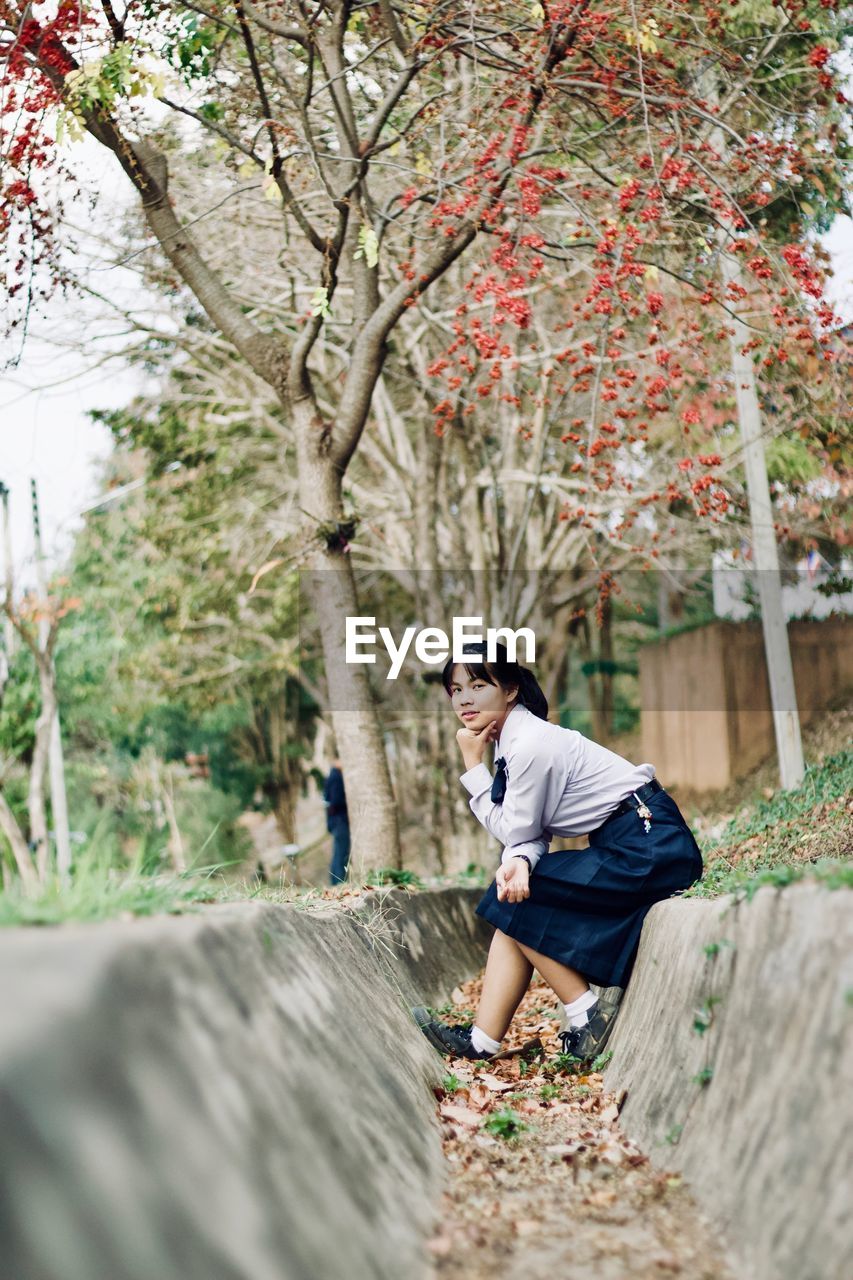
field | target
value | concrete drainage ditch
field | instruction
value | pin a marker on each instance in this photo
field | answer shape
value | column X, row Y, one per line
column 241, row 1095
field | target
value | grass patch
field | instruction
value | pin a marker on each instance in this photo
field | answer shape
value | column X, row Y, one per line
column 394, row 876
column 505, row 1124
column 96, row 891
column 787, row 836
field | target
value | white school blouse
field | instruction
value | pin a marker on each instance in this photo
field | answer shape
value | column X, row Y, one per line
column 558, row 783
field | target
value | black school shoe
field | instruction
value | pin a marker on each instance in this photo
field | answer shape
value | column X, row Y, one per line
column 454, row 1042
column 586, row 1043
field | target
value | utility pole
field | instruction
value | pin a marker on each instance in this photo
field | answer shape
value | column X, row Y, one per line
column 59, row 801
column 765, row 553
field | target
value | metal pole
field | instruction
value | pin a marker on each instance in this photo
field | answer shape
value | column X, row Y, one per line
column 765, row 553
column 59, row 799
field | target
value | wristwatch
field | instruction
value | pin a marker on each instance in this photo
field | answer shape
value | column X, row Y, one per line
column 526, row 859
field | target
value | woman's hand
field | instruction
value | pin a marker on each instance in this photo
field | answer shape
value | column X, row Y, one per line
column 473, row 745
column 513, row 880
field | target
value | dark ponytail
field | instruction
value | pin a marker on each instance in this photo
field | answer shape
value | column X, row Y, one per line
column 508, row 675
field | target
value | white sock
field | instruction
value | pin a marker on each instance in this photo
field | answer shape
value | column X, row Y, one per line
column 576, row 1011
column 483, row 1043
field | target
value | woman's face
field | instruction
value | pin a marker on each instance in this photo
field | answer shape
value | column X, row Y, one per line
column 476, row 702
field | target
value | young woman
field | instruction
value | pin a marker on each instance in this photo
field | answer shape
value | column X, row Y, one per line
column 576, row 915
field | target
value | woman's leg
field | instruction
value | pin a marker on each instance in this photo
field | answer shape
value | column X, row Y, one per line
column 507, row 977
column 566, row 983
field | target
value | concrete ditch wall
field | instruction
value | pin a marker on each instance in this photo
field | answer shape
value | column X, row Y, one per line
column 767, row 1142
column 235, row 1095
column 241, row 1095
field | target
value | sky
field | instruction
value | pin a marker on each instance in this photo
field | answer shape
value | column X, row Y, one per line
column 46, row 431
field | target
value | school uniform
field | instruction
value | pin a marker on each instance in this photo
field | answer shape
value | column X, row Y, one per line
column 586, row 907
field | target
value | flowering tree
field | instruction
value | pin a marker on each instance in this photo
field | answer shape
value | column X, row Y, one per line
column 643, row 144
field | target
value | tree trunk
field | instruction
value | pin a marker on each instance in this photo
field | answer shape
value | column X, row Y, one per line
column 283, row 804
column 331, row 584
column 605, row 657
column 599, row 674
column 36, row 805
column 553, row 660
column 176, row 840
column 20, row 850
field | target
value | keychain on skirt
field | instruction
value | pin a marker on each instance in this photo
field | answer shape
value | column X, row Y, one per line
column 644, row 812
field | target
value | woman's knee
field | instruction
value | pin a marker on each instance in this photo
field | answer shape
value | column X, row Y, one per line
column 504, row 942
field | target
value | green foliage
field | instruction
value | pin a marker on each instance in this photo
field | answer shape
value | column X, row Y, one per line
column 140, row 667
column 602, row 1060
column 320, row 302
column 704, row 1077
column 505, row 1124
column 768, row 839
column 713, row 949
column 451, row 1083
column 98, row 85
column 790, row 461
column 190, row 46
column 549, row 1091
column 395, row 876
column 473, row 874
column 674, row 1135
column 19, row 707
column 704, row 1015
column 98, row 891
column 565, row 1064
column 835, row 584
column 368, row 245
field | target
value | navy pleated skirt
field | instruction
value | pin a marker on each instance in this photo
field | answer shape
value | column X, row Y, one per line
column 587, row 906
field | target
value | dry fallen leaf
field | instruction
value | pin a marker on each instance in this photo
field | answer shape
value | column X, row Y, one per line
column 600, row 1199
column 566, row 1150
column 611, row 1153
column 610, row 1114
column 460, row 1115
column 493, row 1083
column 483, row 1140
column 479, row 1096
column 666, row 1262
column 526, row 1226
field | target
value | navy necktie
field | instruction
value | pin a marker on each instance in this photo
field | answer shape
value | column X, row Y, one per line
column 499, row 781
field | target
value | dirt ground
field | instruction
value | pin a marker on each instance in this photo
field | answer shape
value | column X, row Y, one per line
column 569, row 1196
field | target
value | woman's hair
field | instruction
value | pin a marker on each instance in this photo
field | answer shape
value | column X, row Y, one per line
column 509, row 675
